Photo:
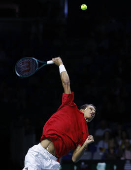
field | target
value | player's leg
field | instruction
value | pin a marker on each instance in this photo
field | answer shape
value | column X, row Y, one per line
column 39, row 158
column 31, row 161
column 48, row 161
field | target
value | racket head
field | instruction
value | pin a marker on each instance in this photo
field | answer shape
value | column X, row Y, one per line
column 26, row 66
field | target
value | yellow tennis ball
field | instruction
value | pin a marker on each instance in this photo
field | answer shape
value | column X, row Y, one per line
column 83, row 6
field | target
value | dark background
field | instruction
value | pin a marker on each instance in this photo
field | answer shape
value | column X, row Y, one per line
column 95, row 48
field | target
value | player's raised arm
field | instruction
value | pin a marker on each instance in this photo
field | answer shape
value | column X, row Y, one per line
column 63, row 74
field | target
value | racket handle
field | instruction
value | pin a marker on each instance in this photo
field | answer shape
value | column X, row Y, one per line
column 50, row 62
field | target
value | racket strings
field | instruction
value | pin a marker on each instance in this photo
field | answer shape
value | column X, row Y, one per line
column 26, row 67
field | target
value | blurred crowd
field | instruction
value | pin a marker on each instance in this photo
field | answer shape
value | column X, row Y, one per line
column 112, row 142
column 98, row 62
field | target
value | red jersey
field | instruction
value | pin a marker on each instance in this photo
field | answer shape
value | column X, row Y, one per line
column 67, row 128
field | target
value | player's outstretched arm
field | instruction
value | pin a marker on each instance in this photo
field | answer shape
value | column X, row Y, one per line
column 63, row 74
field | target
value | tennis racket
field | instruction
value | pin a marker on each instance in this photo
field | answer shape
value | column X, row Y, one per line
column 27, row 66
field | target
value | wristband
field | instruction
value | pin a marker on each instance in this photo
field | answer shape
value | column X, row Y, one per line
column 61, row 68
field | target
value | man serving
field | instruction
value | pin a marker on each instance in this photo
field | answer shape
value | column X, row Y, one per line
column 65, row 130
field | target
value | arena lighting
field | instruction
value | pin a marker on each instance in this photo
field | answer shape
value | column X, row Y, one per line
column 66, row 8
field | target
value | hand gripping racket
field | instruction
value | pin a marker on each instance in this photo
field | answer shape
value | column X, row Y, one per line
column 27, row 66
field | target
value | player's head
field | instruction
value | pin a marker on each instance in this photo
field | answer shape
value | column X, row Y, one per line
column 89, row 111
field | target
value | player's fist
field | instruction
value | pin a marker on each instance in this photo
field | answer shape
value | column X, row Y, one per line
column 89, row 140
column 57, row 61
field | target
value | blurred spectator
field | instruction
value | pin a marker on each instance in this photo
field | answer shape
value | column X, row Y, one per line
column 118, row 131
column 126, row 152
column 101, row 130
column 121, row 141
column 112, row 152
column 103, row 144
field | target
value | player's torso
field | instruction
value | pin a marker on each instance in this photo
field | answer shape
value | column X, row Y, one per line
column 69, row 123
column 49, row 146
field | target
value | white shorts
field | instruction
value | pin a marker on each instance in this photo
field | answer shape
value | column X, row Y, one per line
column 38, row 158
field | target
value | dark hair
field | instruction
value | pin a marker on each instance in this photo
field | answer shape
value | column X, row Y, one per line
column 86, row 105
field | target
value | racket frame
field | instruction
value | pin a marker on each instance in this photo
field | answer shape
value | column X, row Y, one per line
column 37, row 67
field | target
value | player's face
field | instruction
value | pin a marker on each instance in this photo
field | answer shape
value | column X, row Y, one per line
column 89, row 113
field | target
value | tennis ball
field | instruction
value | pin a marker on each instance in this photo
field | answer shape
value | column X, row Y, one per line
column 83, row 6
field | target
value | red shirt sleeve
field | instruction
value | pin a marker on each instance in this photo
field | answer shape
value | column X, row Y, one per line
column 67, row 98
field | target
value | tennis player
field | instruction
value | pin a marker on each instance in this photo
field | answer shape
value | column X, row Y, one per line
column 65, row 130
